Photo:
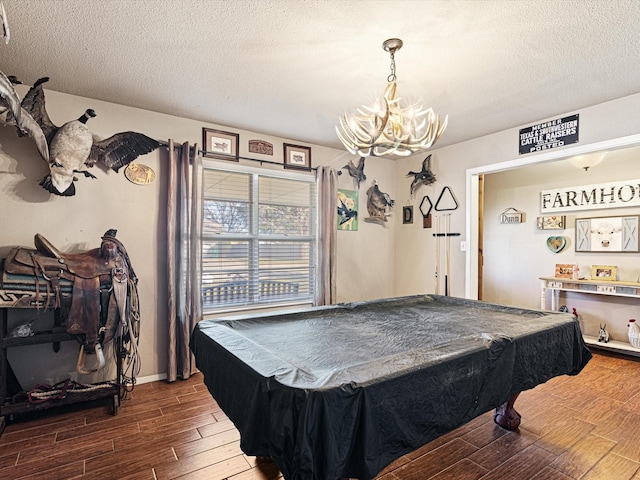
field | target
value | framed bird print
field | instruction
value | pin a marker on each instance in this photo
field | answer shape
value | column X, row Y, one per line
column 221, row 145
column 348, row 210
column 296, row 156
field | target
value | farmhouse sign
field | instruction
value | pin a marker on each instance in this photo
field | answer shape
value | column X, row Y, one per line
column 551, row 134
column 625, row 193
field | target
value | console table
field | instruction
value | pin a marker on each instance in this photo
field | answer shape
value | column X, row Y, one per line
column 552, row 286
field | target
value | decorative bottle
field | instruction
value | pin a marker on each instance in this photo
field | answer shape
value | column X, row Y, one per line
column 634, row 333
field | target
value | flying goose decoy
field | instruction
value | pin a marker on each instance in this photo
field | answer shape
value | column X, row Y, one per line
column 356, row 172
column 423, row 177
column 72, row 148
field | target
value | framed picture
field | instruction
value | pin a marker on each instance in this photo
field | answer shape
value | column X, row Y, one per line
column 607, row 234
column 407, row 214
column 604, row 272
column 219, row 144
column 296, row 156
column 564, row 270
column 348, row 210
column 552, row 222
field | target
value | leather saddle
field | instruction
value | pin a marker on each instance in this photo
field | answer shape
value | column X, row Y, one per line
column 91, row 317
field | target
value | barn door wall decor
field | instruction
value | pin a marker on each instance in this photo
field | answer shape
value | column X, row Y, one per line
column 607, row 234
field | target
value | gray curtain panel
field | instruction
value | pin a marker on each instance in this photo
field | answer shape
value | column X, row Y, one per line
column 327, row 187
column 184, row 224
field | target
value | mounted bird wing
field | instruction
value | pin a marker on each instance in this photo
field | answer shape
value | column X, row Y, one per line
column 5, row 24
column 34, row 103
column 9, row 97
column 121, row 149
column 20, row 117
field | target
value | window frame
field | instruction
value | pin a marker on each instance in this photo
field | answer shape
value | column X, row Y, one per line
column 255, row 236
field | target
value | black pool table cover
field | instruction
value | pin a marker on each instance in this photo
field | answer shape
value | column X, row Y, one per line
column 343, row 390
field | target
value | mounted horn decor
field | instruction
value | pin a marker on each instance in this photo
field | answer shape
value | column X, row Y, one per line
column 387, row 127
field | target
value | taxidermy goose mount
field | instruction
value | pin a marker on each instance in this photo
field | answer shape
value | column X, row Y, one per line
column 72, row 147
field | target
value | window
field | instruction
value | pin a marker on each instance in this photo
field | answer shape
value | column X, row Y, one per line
column 258, row 237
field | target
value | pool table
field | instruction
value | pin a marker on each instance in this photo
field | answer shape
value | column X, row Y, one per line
column 343, row 390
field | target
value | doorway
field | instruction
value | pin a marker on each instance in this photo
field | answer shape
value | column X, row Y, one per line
column 474, row 198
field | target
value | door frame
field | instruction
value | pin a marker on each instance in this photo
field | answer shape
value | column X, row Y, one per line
column 472, row 194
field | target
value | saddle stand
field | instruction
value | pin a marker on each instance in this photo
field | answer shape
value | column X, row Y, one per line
column 92, row 315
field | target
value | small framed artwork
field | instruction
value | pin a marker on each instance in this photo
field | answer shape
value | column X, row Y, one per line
column 564, row 270
column 552, row 222
column 604, row 272
column 261, row 146
column 221, row 145
column 407, row 214
column 348, row 210
column 296, row 156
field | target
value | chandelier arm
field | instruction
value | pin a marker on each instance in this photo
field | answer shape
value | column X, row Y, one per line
column 359, row 133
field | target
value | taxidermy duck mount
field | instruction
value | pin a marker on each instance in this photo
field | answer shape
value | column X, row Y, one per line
column 356, row 172
column 424, row 177
column 70, row 148
column 378, row 204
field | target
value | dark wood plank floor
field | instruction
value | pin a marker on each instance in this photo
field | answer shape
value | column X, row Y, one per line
column 583, row 427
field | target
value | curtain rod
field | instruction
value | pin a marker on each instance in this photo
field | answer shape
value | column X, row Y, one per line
column 204, row 152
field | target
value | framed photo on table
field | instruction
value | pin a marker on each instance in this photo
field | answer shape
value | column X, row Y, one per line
column 604, row 272
column 221, row 145
column 297, row 156
column 564, row 270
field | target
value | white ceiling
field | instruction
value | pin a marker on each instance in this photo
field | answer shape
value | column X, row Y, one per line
column 290, row 68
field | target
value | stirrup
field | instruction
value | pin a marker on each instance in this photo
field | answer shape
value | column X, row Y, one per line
column 99, row 360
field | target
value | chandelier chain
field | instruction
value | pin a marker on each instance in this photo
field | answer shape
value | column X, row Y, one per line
column 392, row 75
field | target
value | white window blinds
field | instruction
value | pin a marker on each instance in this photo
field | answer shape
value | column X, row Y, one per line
column 258, row 237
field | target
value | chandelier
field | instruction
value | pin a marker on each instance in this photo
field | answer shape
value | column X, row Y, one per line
column 387, row 128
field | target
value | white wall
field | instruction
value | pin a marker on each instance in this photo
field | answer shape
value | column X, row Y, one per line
column 377, row 261
column 365, row 258
column 516, row 255
column 415, row 247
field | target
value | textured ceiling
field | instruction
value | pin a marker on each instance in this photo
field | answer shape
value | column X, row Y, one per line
column 291, row 67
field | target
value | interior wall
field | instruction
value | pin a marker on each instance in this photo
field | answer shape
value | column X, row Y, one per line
column 416, row 247
column 365, row 258
column 376, row 261
column 516, row 255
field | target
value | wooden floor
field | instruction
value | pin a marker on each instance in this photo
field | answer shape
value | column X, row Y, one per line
column 583, row 427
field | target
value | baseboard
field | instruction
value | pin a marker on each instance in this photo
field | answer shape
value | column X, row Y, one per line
column 151, row 378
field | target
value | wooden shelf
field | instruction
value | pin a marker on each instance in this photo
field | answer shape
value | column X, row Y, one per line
column 38, row 338
column 613, row 345
column 18, row 404
column 612, row 288
column 110, row 392
column 556, row 285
